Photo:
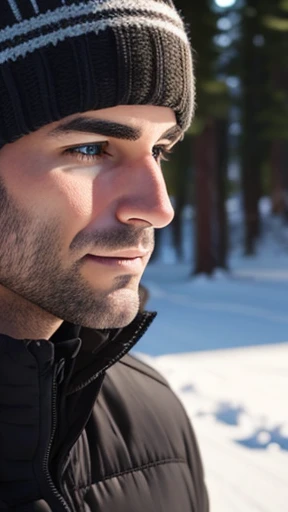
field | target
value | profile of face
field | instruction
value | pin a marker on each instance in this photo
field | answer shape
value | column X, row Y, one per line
column 80, row 199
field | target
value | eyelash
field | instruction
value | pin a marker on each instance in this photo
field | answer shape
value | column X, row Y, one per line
column 163, row 154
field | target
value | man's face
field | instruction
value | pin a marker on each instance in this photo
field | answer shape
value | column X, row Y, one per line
column 80, row 199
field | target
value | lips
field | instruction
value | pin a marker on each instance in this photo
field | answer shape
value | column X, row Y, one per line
column 123, row 255
column 131, row 265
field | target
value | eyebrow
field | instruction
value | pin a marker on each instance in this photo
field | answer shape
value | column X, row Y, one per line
column 99, row 127
column 108, row 129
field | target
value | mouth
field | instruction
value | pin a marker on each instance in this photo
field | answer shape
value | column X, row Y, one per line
column 128, row 254
column 126, row 260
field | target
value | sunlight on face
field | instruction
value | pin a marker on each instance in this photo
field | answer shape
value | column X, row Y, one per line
column 81, row 199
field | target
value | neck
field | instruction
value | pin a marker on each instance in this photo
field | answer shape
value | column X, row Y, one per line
column 21, row 319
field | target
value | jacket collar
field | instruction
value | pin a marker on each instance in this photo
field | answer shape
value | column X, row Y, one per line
column 95, row 351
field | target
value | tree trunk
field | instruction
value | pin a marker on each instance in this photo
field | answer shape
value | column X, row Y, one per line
column 252, row 154
column 221, row 181
column 279, row 182
column 204, row 153
column 277, row 185
column 182, row 159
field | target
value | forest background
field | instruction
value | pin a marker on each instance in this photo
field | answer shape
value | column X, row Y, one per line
column 237, row 145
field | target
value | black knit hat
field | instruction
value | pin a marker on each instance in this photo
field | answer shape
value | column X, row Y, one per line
column 60, row 57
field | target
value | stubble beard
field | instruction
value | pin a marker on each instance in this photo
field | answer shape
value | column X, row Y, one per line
column 30, row 267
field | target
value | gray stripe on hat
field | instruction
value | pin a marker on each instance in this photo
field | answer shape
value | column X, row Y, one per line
column 55, row 37
column 15, row 9
column 73, row 11
column 35, row 6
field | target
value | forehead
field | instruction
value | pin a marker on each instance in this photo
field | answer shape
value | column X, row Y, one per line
column 137, row 118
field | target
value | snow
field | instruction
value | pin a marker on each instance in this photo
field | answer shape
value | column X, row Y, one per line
column 236, row 401
column 222, row 345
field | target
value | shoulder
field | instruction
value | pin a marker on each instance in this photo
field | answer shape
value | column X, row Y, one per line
column 146, row 401
column 138, row 404
column 141, row 388
column 156, row 402
column 134, row 365
column 136, row 377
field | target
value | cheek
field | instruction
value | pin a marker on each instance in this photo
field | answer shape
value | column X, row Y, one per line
column 38, row 183
column 76, row 199
column 85, row 195
column 73, row 196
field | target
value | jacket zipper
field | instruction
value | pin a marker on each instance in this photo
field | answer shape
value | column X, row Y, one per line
column 45, row 465
column 148, row 319
column 140, row 331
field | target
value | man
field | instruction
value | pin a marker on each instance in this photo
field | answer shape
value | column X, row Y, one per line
column 93, row 94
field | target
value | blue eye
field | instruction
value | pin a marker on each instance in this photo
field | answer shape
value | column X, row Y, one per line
column 91, row 150
column 88, row 151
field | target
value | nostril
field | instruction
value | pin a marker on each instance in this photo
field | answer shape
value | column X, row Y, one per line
column 141, row 223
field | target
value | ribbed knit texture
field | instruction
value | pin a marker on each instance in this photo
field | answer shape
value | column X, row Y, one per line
column 59, row 57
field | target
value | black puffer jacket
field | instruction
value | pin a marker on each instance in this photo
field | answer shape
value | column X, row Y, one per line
column 84, row 428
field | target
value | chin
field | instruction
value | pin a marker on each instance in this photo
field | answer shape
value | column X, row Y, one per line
column 123, row 306
column 117, row 310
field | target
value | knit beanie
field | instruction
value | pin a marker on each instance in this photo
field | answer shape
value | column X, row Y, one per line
column 60, row 57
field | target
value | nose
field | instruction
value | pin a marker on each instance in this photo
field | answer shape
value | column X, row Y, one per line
column 145, row 201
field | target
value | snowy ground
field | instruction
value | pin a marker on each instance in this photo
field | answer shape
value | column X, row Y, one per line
column 228, row 361
column 237, row 400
